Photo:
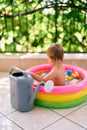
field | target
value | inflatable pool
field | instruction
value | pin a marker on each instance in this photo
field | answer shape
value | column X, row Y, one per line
column 70, row 95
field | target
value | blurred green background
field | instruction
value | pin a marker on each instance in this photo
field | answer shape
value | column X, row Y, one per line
column 33, row 25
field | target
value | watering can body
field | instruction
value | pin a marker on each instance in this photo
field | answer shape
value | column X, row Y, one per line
column 21, row 90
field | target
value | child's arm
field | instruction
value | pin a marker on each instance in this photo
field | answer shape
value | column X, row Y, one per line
column 49, row 76
column 36, row 76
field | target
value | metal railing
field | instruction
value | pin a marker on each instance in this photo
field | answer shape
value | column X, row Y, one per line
column 32, row 25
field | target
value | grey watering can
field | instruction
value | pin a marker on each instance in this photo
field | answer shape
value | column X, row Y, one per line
column 22, row 91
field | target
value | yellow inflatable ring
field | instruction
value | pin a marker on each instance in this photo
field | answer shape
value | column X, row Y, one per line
column 61, row 97
column 60, row 105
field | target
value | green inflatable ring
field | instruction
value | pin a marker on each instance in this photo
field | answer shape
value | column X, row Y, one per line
column 59, row 104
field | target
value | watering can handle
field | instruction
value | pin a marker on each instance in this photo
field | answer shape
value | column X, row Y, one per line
column 17, row 69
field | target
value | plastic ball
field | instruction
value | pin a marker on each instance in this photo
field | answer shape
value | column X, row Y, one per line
column 74, row 81
column 73, row 74
column 76, row 74
column 68, row 72
column 70, row 78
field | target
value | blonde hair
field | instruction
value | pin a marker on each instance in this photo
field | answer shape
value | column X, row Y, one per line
column 55, row 51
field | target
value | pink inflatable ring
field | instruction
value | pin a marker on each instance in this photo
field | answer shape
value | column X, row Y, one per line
column 62, row 96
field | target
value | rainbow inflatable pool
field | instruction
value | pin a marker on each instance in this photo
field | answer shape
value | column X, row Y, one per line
column 66, row 96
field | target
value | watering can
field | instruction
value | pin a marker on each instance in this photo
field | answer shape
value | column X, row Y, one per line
column 22, row 91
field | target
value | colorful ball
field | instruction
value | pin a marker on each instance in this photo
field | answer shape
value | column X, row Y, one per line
column 74, row 81
column 68, row 72
column 70, row 77
column 76, row 74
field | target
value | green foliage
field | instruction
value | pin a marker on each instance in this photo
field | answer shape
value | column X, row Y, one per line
column 32, row 25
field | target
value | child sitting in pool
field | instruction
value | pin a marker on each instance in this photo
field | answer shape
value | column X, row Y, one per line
column 55, row 58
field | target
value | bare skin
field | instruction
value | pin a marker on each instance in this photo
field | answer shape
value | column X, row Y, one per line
column 57, row 74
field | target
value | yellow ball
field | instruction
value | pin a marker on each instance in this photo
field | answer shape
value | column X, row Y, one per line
column 70, row 78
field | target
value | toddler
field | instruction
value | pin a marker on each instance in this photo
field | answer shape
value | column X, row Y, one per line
column 55, row 55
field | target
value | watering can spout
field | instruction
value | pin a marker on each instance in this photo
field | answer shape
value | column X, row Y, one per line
column 31, row 100
column 48, row 86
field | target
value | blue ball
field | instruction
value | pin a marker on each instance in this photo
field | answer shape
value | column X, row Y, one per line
column 68, row 72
